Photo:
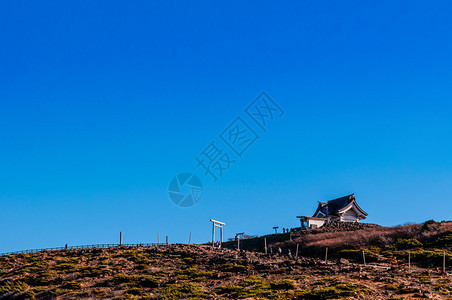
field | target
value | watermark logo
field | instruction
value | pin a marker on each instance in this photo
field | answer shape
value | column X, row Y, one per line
column 239, row 136
column 218, row 156
column 185, row 189
column 263, row 109
column 214, row 161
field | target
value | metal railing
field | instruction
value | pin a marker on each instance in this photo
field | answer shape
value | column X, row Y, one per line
column 82, row 247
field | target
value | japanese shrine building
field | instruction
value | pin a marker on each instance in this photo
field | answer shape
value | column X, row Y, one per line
column 344, row 209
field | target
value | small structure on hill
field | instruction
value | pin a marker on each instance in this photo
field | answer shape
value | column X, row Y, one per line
column 219, row 225
column 344, row 209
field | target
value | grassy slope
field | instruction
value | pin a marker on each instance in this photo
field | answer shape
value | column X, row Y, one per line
column 426, row 243
column 182, row 271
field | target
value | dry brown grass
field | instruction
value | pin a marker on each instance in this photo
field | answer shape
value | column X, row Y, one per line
column 378, row 236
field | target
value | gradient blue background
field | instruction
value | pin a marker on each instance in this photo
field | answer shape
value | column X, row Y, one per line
column 103, row 102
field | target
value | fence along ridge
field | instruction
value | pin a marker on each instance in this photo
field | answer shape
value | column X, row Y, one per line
column 81, row 247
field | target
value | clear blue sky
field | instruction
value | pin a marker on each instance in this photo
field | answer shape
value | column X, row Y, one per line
column 103, row 102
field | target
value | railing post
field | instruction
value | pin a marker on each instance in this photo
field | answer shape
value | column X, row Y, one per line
column 409, row 260
column 326, row 255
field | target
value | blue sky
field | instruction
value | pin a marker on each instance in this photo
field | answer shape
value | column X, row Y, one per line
column 102, row 103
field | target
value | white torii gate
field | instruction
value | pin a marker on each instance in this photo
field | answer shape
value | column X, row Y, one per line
column 220, row 225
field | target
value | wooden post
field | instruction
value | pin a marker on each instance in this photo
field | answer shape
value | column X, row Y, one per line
column 120, row 238
column 296, row 253
column 189, row 239
column 409, row 260
column 444, row 262
column 238, row 242
column 167, row 240
column 326, row 254
column 364, row 258
column 221, row 239
column 265, row 245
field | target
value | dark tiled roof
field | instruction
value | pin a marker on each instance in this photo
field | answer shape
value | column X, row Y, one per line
column 336, row 205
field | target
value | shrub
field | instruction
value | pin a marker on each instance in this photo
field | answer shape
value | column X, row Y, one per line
column 230, row 267
column 65, row 267
column 424, row 279
column 407, row 243
column 252, row 280
column 188, row 271
column 15, row 287
column 387, row 253
column 391, row 287
column 329, row 292
column 177, row 291
column 334, row 292
column 59, row 291
column 205, row 273
column 125, row 297
column 161, row 273
column 30, row 294
column 134, row 291
column 71, row 285
column 188, row 260
column 430, row 258
column 44, row 279
column 33, row 269
column 283, row 284
column 88, row 271
column 71, row 260
column 37, row 290
column 122, row 278
column 199, row 279
column 129, row 253
column 230, row 289
column 149, row 281
column 445, row 240
column 324, row 280
column 99, row 292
